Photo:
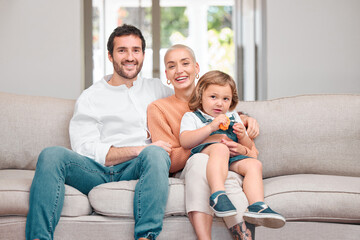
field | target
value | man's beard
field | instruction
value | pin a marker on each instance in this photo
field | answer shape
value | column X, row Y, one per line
column 120, row 71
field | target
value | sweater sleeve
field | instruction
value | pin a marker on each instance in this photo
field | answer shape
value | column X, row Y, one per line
column 160, row 129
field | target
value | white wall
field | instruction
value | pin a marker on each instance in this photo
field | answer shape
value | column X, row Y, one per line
column 313, row 46
column 41, row 47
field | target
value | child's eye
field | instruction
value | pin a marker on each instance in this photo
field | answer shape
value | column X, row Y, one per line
column 213, row 97
column 226, row 99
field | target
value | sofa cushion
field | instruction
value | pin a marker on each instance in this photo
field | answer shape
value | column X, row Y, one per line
column 313, row 197
column 314, row 134
column 14, row 195
column 29, row 124
column 116, row 198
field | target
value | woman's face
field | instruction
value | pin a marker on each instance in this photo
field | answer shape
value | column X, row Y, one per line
column 181, row 69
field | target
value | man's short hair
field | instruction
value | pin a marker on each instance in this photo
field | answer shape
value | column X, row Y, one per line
column 125, row 30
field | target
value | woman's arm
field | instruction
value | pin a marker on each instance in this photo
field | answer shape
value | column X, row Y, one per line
column 160, row 129
column 251, row 125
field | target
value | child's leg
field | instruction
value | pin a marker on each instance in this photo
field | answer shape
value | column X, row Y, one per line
column 258, row 213
column 217, row 167
column 253, row 186
column 216, row 173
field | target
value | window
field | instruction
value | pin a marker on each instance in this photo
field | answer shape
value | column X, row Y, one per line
column 207, row 26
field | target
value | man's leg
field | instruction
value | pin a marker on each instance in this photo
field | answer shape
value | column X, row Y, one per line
column 55, row 167
column 151, row 167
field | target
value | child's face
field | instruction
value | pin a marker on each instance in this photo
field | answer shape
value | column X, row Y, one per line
column 216, row 99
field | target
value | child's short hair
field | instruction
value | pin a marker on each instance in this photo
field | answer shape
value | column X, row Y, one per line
column 213, row 77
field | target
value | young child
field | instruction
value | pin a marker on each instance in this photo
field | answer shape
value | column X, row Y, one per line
column 203, row 130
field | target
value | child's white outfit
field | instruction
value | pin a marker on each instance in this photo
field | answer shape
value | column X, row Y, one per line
column 198, row 119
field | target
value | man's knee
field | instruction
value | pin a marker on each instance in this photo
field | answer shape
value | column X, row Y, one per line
column 155, row 156
column 51, row 156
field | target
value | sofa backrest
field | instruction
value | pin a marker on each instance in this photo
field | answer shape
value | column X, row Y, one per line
column 308, row 134
column 28, row 125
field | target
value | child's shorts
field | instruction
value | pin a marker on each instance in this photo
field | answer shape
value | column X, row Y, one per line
column 200, row 147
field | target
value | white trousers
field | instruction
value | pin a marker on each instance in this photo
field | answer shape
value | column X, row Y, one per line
column 197, row 190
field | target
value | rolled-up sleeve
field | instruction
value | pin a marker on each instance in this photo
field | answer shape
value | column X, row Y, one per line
column 84, row 131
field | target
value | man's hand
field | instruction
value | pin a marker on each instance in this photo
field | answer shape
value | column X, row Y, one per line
column 165, row 145
column 252, row 126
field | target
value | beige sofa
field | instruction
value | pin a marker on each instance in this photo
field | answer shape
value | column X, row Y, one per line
column 309, row 146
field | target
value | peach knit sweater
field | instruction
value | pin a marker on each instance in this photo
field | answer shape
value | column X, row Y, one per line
column 164, row 118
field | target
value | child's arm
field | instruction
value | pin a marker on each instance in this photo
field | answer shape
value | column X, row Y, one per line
column 192, row 138
column 243, row 138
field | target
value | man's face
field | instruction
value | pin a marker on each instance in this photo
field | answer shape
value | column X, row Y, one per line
column 128, row 56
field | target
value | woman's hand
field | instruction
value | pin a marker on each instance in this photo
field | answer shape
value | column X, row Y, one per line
column 252, row 126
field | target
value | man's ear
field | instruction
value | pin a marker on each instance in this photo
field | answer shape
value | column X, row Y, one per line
column 110, row 57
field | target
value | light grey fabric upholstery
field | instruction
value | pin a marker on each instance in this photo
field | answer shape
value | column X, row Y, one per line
column 29, row 124
column 317, row 134
column 14, row 195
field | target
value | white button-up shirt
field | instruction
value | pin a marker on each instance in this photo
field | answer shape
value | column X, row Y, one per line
column 107, row 115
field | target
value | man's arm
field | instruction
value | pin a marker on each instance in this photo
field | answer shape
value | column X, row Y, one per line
column 117, row 155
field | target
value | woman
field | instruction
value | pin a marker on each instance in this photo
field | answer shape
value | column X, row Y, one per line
column 164, row 117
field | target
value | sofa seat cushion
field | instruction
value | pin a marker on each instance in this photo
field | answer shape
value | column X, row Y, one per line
column 116, row 198
column 310, row 197
column 14, row 195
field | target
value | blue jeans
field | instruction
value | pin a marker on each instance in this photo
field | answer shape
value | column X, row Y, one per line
column 57, row 166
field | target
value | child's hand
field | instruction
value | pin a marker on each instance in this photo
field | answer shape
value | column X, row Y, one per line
column 221, row 119
column 239, row 130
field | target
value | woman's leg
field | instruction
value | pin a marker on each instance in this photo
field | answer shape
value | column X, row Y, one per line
column 197, row 194
column 238, row 228
column 202, row 224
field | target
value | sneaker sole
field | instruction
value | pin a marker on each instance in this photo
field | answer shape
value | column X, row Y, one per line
column 224, row 214
column 266, row 220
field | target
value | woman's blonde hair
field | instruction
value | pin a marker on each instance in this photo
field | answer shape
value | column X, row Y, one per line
column 210, row 78
column 180, row 46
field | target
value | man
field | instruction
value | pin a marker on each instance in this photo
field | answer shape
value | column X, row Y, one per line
column 110, row 140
